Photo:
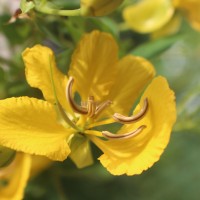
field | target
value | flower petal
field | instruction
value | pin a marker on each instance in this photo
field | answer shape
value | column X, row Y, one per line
column 18, row 178
column 29, row 125
column 191, row 9
column 148, row 15
column 170, row 28
column 93, row 65
column 133, row 75
column 134, row 155
column 39, row 60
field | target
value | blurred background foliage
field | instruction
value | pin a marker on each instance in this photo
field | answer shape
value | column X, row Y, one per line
column 177, row 57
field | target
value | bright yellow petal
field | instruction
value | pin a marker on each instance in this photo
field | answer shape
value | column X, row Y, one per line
column 29, row 125
column 39, row 60
column 93, row 65
column 133, row 74
column 148, row 15
column 191, row 8
column 18, row 178
column 134, row 155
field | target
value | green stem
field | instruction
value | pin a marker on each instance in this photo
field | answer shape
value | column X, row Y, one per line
column 58, row 106
column 65, row 117
column 51, row 11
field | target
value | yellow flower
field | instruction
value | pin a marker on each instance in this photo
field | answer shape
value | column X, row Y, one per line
column 191, row 9
column 98, row 7
column 14, row 174
column 14, row 177
column 61, row 126
column 151, row 15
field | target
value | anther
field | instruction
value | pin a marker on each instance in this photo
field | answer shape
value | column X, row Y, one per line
column 127, row 120
column 131, row 134
column 91, row 106
column 75, row 107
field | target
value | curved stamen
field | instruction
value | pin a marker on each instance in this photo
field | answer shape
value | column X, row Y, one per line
column 102, row 106
column 126, row 120
column 91, row 106
column 70, row 99
column 110, row 135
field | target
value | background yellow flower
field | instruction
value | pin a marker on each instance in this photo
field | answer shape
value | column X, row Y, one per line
column 164, row 16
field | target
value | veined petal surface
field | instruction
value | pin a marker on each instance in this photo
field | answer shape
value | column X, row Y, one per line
column 133, row 74
column 148, row 15
column 39, row 61
column 134, row 155
column 30, row 125
column 93, row 65
column 17, row 174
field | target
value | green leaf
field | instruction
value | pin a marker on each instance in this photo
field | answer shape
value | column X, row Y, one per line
column 104, row 24
column 153, row 48
column 180, row 65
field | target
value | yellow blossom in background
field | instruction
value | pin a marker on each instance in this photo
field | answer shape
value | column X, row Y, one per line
column 191, row 9
column 98, row 7
column 61, row 126
column 148, row 16
column 14, row 177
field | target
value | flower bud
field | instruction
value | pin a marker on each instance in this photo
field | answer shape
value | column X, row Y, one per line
column 98, row 7
column 6, row 156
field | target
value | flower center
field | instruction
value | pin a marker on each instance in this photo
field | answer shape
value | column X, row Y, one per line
column 93, row 109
